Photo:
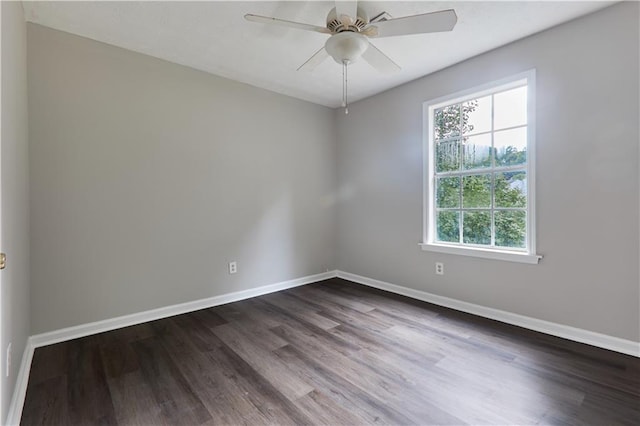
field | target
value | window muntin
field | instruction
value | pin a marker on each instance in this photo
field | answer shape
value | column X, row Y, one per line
column 480, row 191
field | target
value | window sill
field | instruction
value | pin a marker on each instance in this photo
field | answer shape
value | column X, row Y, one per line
column 509, row 256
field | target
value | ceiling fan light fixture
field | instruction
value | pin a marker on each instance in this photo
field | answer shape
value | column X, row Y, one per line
column 346, row 46
column 350, row 30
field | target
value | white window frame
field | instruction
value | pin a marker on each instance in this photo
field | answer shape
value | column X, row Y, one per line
column 526, row 255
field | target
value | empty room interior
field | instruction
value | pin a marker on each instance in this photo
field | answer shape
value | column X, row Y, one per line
column 328, row 213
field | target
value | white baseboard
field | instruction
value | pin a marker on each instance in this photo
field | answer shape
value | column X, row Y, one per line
column 20, row 390
column 616, row 344
column 82, row 330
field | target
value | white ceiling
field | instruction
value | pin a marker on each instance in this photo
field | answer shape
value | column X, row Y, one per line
column 214, row 37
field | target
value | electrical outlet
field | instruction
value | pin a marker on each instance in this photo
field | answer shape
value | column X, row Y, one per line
column 439, row 268
column 8, row 366
column 233, row 267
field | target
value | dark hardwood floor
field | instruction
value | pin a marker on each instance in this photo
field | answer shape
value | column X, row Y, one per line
column 333, row 353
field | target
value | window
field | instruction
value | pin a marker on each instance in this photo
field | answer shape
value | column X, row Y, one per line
column 479, row 181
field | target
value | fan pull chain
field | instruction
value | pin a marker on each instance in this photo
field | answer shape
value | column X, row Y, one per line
column 344, row 87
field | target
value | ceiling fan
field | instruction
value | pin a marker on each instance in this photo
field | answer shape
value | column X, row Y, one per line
column 349, row 28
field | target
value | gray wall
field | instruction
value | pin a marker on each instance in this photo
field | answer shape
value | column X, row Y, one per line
column 147, row 178
column 587, row 180
column 15, row 195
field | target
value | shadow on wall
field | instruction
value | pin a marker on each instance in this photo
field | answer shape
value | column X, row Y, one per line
column 271, row 243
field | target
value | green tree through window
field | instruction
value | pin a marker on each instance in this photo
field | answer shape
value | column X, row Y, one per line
column 481, row 171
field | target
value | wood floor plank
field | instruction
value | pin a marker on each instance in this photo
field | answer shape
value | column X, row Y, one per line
column 172, row 392
column 264, row 395
column 603, row 408
column 393, row 304
column 49, row 362
column 134, row 401
column 46, row 402
column 309, row 327
column 222, row 379
column 325, row 295
column 260, row 359
column 88, row 397
column 340, row 390
column 333, row 353
column 357, row 328
column 198, row 332
column 246, row 316
column 301, row 311
column 215, row 382
column 323, row 410
column 208, row 317
column 378, row 379
column 119, row 358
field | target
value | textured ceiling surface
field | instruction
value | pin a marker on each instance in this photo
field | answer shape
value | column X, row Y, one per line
column 214, row 37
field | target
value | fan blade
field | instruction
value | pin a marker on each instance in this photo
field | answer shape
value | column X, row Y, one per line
column 370, row 31
column 349, row 8
column 315, row 60
column 434, row 22
column 379, row 60
column 283, row 23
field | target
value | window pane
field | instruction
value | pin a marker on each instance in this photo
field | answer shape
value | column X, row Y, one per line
column 510, row 108
column 477, row 152
column 446, row 122
column 510, row 147
column 476, row 191
column 511, row 189
column 448, row 226
column 477, row 227
column 476, row 116
column 448, row 194
column 511, row 228
column 448, row 156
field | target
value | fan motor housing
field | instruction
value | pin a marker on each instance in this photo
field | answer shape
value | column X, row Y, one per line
column 335, row 25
